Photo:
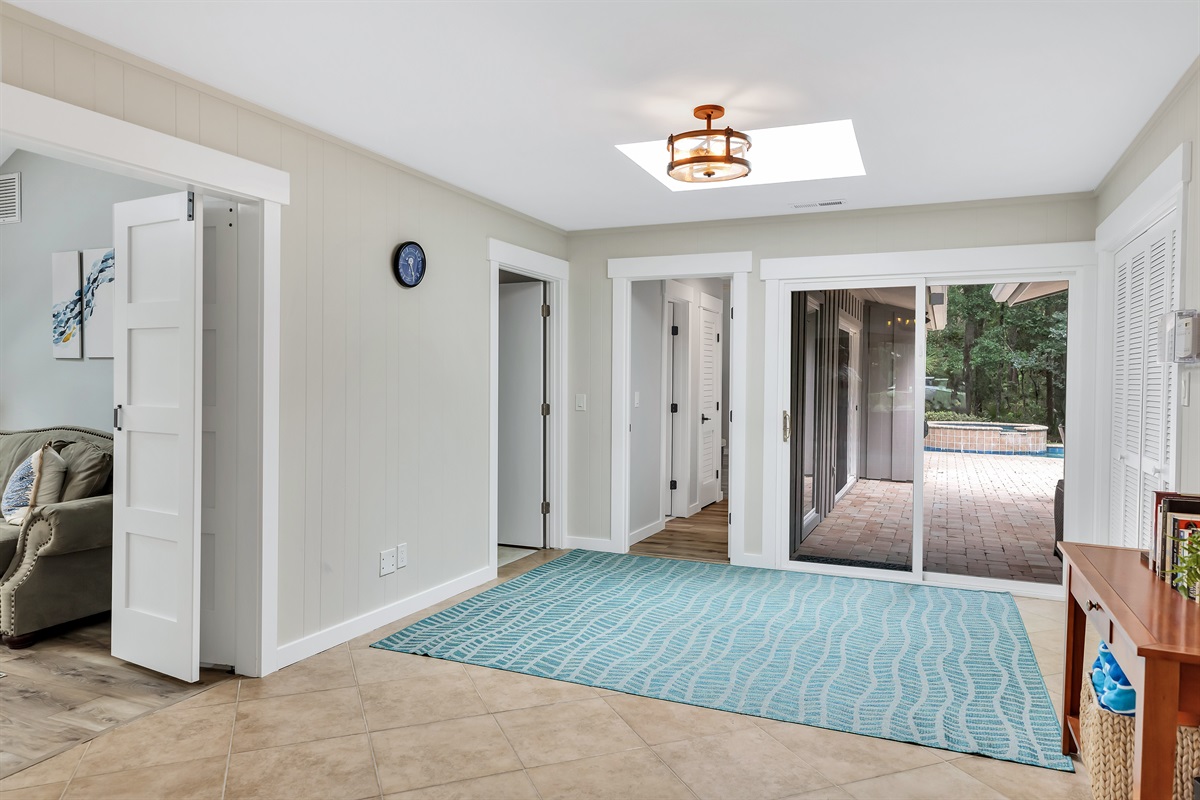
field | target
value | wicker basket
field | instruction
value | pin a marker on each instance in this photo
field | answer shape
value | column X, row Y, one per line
column 1106, row 748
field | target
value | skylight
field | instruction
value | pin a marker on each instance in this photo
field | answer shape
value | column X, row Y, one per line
column 778, row 155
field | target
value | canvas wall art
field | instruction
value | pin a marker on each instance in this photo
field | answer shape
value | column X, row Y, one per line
column 66, row 307
column 99, row 271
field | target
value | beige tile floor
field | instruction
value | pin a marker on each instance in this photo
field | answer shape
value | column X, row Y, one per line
column 353, row 722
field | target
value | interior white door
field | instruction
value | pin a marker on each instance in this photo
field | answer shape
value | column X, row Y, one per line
column 219, row 443
column 521, row 438
column 709, row 438
column 156, row 475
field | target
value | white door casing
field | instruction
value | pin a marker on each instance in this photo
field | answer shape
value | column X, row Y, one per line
column 681, row 301
column 708, row 396
column 520, row 432
column 157, row 390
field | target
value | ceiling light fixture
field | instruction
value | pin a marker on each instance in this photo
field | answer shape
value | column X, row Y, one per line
column 708, row 156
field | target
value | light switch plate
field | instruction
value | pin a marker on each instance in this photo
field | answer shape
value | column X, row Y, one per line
column 581, row 402
column 387, row 561
column 637, row 399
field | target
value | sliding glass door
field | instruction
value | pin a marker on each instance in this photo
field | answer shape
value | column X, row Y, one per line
column 853, row 396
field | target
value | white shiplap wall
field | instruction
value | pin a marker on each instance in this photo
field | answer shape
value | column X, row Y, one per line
column 384, row 390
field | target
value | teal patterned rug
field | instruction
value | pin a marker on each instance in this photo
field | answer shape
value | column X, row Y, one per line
column 946, row 668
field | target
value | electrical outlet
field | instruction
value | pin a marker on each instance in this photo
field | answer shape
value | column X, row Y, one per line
column 402, row 555
column 387, row 561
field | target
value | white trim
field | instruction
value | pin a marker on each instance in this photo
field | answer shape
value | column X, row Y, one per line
column 528, row 262
column 646, row 531
column 556, row 273
column 1009, row 260
column 694, row 265
column 1074, row 262
column 588, row 543
column 1044, row 591
column 705, row 265
column 85, row 137
column 51, row 127
column 1149, row 202
column 322, row 640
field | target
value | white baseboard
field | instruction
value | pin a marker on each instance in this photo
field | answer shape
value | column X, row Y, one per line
column 647, row 531
column 752, row 560
column 315, row 643
column 587, row 543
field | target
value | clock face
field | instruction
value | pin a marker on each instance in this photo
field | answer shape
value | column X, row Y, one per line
column 408, row 264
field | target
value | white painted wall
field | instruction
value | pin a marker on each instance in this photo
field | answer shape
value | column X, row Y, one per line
column 1060, row 218
column 65, row 207
column 645, row 477
column 384, row 391
column 1176, row 121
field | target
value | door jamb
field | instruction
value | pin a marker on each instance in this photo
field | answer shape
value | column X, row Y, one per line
column 555, row 272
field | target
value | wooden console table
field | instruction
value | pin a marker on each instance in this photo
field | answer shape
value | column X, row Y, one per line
column 1154, row 634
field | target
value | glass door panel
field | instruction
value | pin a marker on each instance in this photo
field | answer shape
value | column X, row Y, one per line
column 853, row 384
column 995, row 393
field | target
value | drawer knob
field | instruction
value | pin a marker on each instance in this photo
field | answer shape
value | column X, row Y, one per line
column 1094, row 606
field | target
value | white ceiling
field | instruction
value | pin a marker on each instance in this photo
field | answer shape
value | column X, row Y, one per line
column 523, row 102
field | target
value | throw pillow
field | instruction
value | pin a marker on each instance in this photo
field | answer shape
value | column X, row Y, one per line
column 88, row 468
column 38, row 480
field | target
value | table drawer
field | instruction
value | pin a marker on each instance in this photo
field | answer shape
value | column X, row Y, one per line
column 1089, row 601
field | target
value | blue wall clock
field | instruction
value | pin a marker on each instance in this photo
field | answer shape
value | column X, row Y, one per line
column 408, row 264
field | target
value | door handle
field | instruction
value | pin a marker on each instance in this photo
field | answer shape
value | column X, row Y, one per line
column 704, row 419
column 787, row 425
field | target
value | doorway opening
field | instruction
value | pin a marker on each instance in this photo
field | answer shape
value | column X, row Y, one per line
column 523, row 408
column 678, row 475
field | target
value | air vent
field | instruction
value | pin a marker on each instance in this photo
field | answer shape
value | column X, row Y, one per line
column 10, row 198
column 820, row 204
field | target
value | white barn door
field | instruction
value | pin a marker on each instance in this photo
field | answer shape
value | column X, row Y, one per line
column 156, row 479
column 1144, row 393
column 709, row 462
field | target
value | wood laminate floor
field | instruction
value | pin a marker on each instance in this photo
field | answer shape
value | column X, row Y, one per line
column 704, row 536
column 68, row 689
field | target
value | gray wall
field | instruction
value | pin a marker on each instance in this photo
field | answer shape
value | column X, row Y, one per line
column 64, row 207
column 384, row 391
column 1175, row 122
column 645, row 452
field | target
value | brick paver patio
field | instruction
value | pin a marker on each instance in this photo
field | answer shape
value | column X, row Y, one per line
column 988, row 516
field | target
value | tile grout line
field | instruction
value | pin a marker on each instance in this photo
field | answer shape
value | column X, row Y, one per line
column 649, row 746
column 86, row 746
column 496, row 722
column 832, row 782
column 362, row 709
column 232, row 730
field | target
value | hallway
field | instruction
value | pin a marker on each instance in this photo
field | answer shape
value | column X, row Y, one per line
column 704, row 536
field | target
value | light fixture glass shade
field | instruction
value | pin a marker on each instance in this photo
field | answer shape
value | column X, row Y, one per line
column 708, row 155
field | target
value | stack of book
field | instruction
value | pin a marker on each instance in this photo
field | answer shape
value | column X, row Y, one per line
column 1176, row 534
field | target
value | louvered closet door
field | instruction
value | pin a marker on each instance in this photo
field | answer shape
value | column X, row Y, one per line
column 1143, row 387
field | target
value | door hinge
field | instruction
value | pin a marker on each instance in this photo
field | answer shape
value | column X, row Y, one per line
column 117, row 417
column 731, row 519
column 731, row 312
column 718, row 406
column 674, row 485
column 674, row 408
column 674, row 330
column 545, row 409
column 545, row 506
column 718, row 338
column 718, row 473
column 545, row 309
column 191, row 207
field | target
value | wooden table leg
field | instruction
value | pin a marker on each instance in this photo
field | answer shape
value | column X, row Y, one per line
column 1155, row 730
column 1072, row 670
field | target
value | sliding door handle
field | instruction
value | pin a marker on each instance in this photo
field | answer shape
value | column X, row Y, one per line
column 787, row 425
